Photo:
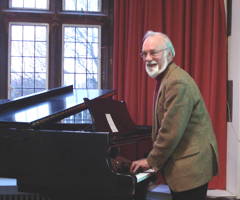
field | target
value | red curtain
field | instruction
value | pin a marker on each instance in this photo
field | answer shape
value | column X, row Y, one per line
column 198, row 32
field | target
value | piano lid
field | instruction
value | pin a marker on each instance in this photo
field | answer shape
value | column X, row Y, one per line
column 50, row 105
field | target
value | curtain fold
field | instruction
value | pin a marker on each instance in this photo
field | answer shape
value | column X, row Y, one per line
column 198, row 32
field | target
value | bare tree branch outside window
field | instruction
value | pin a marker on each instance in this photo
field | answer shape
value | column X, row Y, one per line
column 82, row 56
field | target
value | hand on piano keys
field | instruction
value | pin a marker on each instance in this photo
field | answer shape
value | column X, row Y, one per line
column 139, row 166
column 122, row 165
column 141, row 169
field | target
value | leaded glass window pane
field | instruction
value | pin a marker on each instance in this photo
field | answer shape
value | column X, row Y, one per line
column 30, row 4
column 82, row 5
column 81, row 61
column 28, row 58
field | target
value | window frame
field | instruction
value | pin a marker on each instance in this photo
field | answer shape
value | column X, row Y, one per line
column 56, row 17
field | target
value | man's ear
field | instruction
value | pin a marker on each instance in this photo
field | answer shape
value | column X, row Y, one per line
column 169, row 56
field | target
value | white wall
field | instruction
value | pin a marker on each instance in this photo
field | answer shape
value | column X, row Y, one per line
column 233, row 137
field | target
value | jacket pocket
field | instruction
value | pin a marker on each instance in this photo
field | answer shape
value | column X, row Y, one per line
column 191, row 151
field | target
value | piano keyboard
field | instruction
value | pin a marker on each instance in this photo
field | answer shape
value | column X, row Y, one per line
column 144, row 175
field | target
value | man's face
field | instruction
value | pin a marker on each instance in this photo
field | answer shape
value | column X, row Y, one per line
column 154, row 55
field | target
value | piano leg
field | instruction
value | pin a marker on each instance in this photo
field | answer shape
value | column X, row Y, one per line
column 141, row 190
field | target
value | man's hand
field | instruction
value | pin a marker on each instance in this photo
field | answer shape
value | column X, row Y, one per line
column 139, row 164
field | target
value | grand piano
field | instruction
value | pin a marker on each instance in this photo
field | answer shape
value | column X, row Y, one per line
column 66, row 143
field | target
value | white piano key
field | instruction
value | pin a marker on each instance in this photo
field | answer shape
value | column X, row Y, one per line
column 143, row 175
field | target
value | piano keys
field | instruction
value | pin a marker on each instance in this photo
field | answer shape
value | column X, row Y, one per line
column 50, row 149
column 141, row 176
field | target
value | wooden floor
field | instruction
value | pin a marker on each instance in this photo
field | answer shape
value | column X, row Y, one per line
column 162, row 192
column 156, row 197
column 222, row 198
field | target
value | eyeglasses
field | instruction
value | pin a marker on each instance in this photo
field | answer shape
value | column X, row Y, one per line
column 152, row 53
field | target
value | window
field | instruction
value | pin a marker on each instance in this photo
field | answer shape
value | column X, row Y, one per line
column 28, row 58
column 51, row 43
column 81, row 56
column 29, row 4
column 82, row 5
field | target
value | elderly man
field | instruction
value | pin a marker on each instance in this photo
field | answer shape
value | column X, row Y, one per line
column 184, row 145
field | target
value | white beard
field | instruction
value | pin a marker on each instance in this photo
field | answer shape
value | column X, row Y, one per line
column 154, row 71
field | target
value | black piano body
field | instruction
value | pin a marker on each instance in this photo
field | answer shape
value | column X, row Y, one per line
column 50, row 155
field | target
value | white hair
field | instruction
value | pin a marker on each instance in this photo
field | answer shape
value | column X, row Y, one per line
column 165, row 38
